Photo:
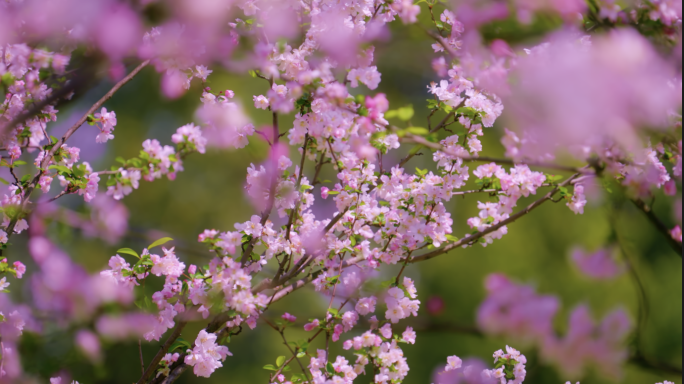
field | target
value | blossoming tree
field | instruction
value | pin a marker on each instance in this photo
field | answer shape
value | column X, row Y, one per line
column 594, row 104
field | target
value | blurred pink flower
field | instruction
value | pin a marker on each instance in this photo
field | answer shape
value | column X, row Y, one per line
column 599, row 265
column 119, row 33
column 89, row 344
column 469, row 373
column 435, row 306
column 571, row 94
column 589, row 344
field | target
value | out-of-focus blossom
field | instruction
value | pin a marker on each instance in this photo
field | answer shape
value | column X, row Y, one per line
column 599, row 265
column 572, row 95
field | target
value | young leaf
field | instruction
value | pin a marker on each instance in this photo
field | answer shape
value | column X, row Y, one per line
column 159, row 242
column 280, row 361
column 128, row 251
column 405, row 113
column 420, row 131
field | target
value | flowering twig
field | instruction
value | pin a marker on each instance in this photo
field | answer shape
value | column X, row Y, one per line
column 48, row 158
column 37, row 108
column 475, row 237
column 294, row 353
column 439, row 147
column 162, row 351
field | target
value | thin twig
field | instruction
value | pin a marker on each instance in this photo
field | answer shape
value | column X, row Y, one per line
column 660, row 226
column 37, row 108
column 142, row 362
column 48, row 158
column 439, row 147
column 63, row 193
column 475, row 237
column 291, row 219
column 162, row 351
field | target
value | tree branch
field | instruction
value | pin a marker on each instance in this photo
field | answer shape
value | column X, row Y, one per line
column 48, row 158
column 160, row 355
column 660, row 226
column 37, row 108
column 475, row 237
column 411, row 138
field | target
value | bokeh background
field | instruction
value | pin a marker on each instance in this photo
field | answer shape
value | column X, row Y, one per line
column 209, row 194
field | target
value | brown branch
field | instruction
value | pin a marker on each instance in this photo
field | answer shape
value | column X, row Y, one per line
column 142, row 362
column 160, row 355
column 660, row 226
column 475, row 237
column 175, row 373
column 48, row 158
column 37, row 108
column 411, row 138
column 321, row 162
column 437, row 128
column 291, row 219
column 63, row 193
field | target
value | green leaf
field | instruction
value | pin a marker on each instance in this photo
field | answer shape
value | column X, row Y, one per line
column 333, row 311
column 4, row 181
column 280, row 361
column 128, row 251
column 60, row 168
column 405, row 113
column 391, row 114
column 270, row 367
column 20, row 162
column 452, row 238
column 420, row 131
column 180, row 343
column 159, row 242
column 330, row 368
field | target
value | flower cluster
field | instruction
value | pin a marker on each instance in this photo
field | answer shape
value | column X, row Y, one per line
column 207, row 356
column 509, row 368
column 600, row 265
column 519, row 312
column 155, row 161
column 106, row 122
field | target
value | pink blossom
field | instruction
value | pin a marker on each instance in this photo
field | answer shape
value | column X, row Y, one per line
column 206, row 356
column 20, row 268
column 598, row 265
column 312, row 325
column 453, row 363
column 366, row 305
column 407, row 11
column 409, row 336
column 261, row 102
column 90, row 345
